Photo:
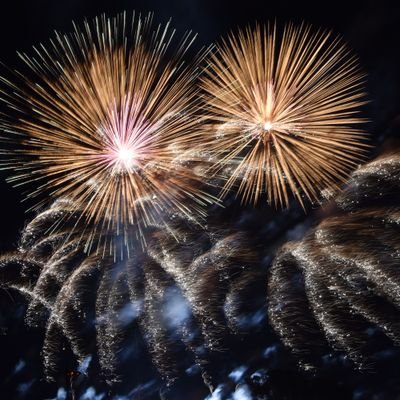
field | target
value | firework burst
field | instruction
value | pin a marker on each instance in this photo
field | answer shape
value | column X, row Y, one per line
column 283, row 111
column 108, row 123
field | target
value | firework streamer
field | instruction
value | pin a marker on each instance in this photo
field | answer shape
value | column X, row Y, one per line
column 281, row 113
column 179, row 297
column 329, row 288
column 106, row 118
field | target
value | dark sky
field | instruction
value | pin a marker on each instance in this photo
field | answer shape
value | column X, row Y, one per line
column 371, row 28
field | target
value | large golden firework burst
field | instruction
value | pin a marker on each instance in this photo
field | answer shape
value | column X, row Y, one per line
column 283, row 109
column 106, row 121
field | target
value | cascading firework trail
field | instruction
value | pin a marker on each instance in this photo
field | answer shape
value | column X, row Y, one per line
column 180, row 296
column 281, row 113
column 108, row 121
column 343, row 278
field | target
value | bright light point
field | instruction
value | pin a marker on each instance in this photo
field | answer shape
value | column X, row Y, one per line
column 267, row 126
column 126, row 157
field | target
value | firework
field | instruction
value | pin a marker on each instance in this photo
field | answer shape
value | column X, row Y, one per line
column 107, row 121
column 282, row 111
column 180, row 296
column 333, row 287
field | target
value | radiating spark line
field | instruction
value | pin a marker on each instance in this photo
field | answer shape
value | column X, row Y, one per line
column 281, row 112
column 108, row 122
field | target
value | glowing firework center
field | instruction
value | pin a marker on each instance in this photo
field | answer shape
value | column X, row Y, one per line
column 123, row 158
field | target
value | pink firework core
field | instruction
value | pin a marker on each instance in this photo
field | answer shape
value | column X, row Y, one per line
column 124, row 157
column 267, row 126
column 127, row 140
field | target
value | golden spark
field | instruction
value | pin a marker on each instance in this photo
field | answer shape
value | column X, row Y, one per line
column 108, row 123
column 281, row 112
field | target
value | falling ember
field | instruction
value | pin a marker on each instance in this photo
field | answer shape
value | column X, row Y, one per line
column 184, row 292
column 284, row 107
column 346, row 273
column 108, row 124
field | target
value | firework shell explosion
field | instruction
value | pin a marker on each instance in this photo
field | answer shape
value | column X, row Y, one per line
column 281, row 113
column 108, row 121
column 341, row 283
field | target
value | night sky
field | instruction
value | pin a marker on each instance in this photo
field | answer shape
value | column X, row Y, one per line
column 371, row 29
